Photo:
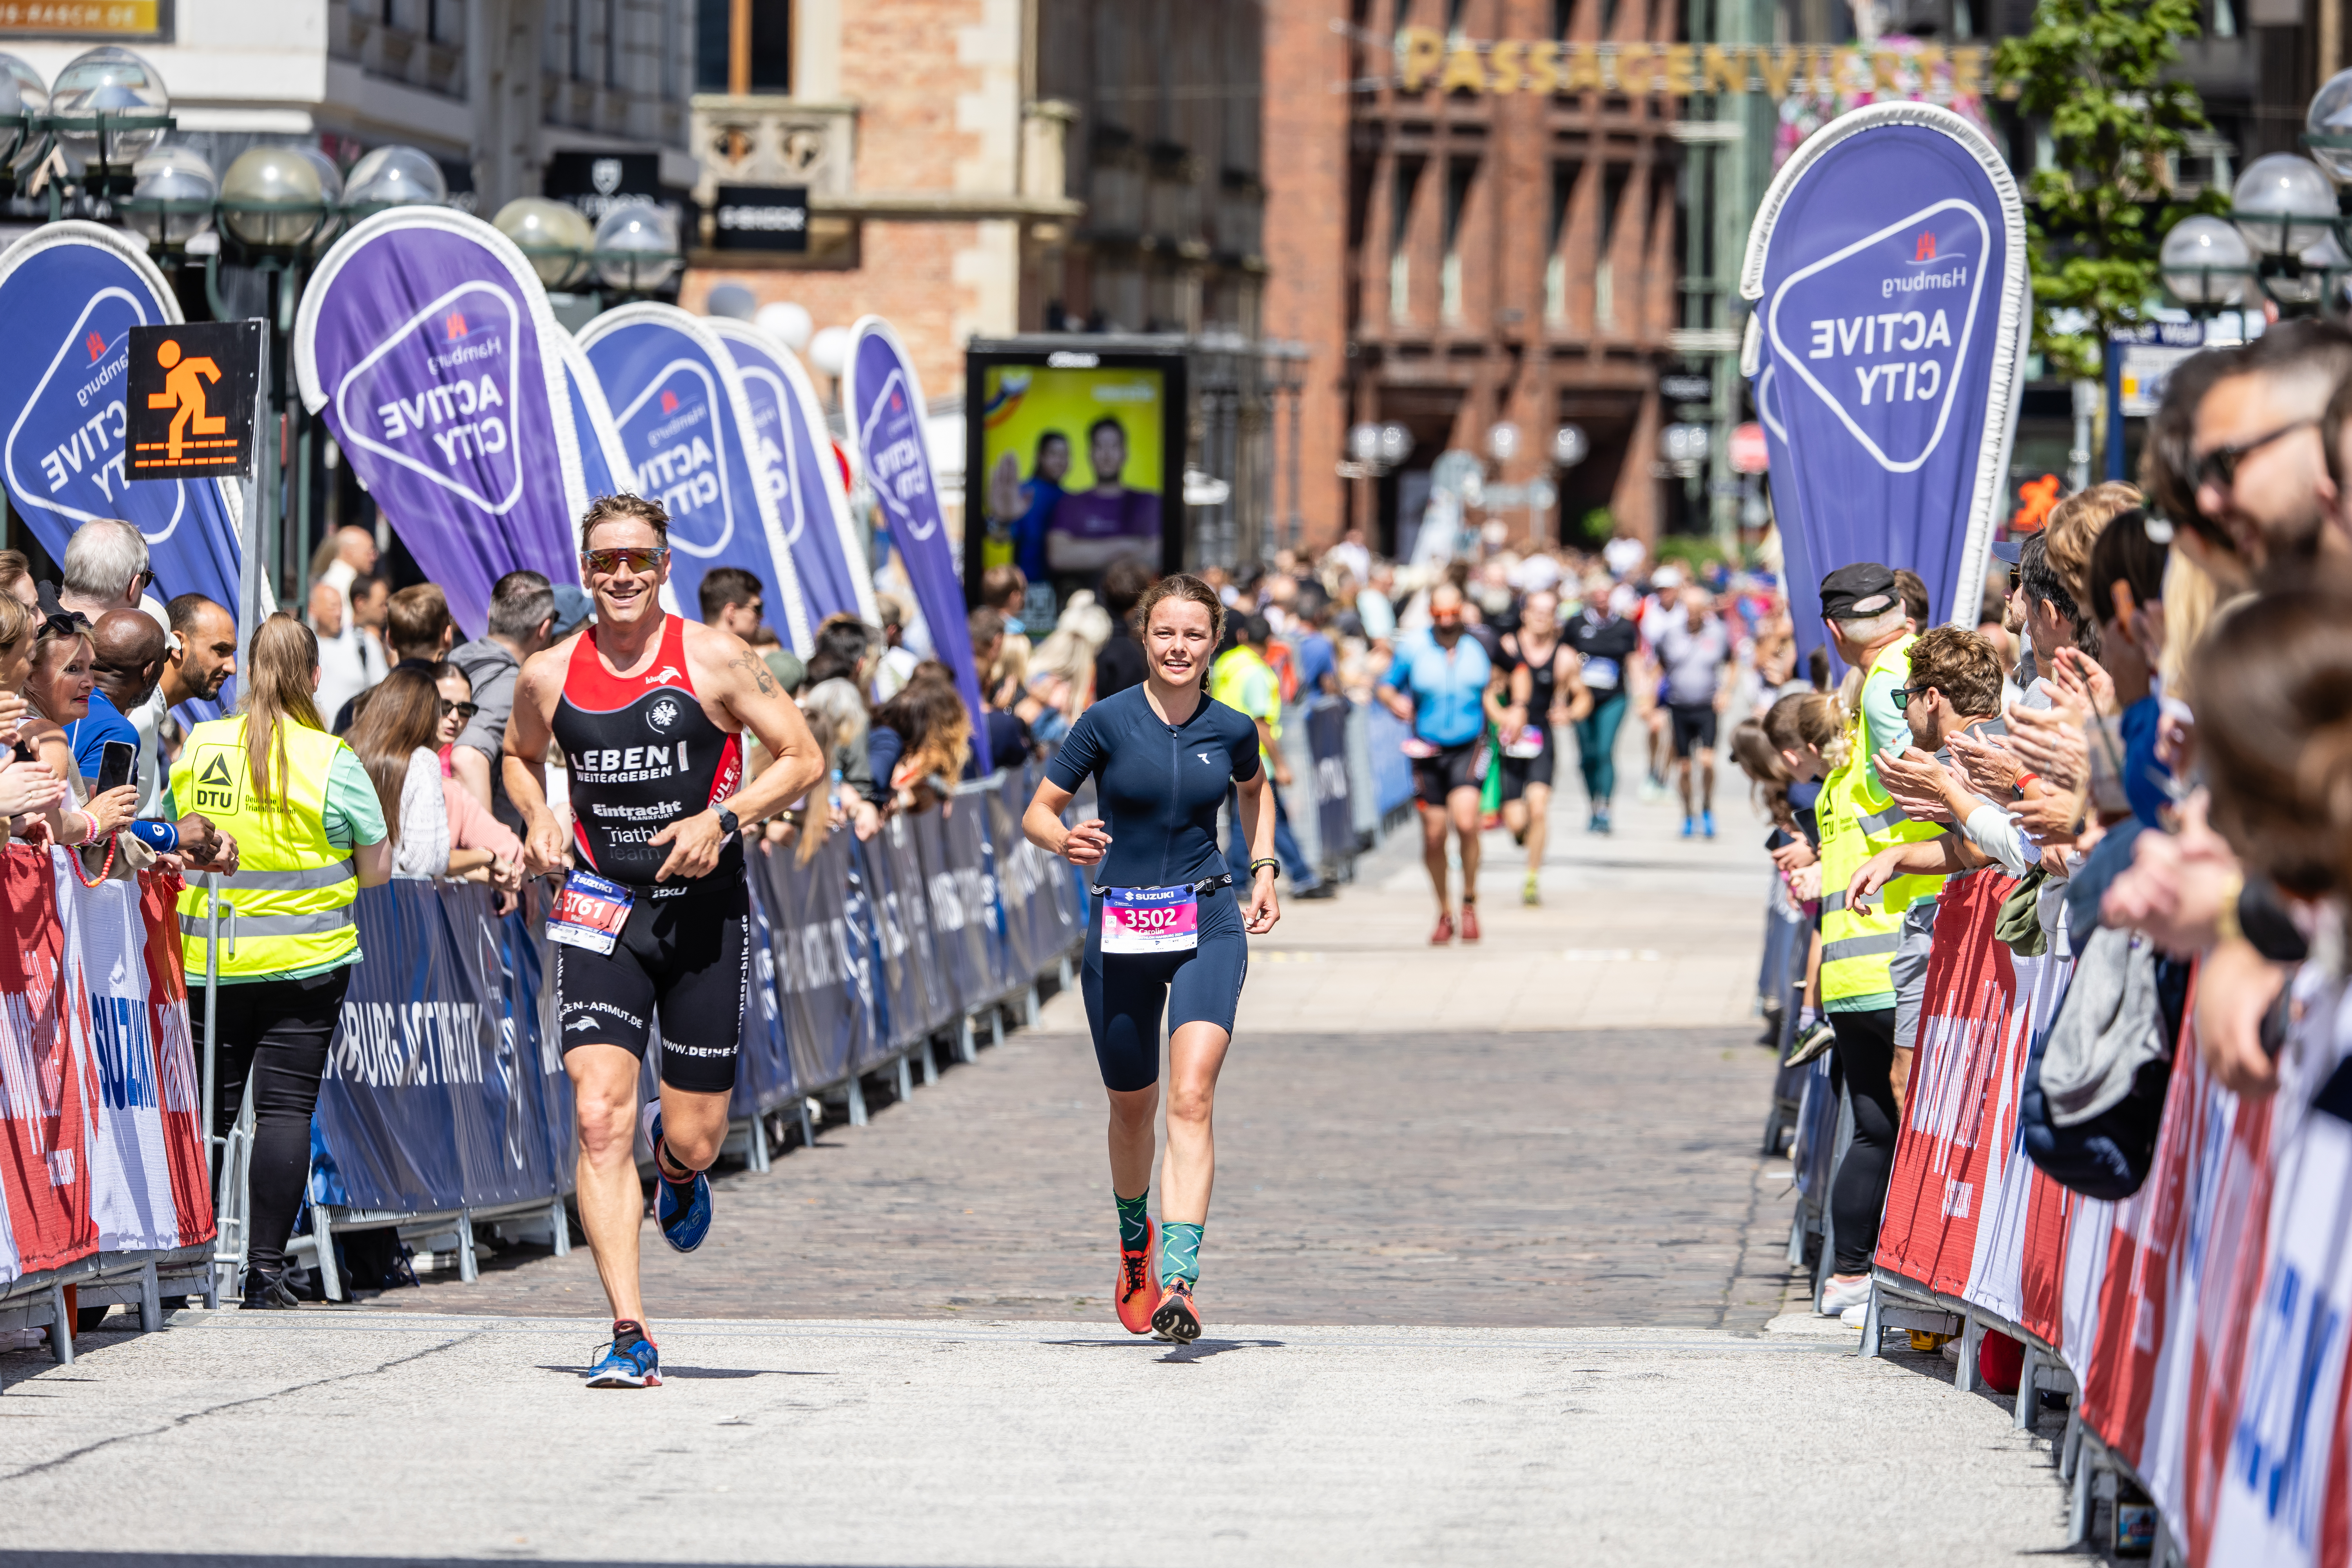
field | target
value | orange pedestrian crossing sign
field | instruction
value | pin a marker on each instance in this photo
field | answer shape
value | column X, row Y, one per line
column 190, row 399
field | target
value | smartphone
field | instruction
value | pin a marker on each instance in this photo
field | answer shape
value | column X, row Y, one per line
column 117, row 760
column 1779, row 837
column 24, row 752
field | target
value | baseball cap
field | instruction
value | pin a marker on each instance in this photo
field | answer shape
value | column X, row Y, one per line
column 572, row 607
column 2008, row 550
column 1858, row 592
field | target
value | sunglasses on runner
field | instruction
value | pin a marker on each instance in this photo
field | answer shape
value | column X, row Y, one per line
column 2219, row 467
column 640, row 561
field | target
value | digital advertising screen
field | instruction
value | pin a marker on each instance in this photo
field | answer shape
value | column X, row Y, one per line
column 1079, row 465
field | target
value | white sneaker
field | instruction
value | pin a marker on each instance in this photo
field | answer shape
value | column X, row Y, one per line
column 1854, row 1317
column 1839, row 1294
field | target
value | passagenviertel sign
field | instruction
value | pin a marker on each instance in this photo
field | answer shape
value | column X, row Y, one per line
column 1544, row 66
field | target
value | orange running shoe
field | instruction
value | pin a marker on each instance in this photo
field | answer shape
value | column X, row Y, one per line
column 1469, row 922
column 1133, row 1292
column 1444, row 932
column 1176, row 1318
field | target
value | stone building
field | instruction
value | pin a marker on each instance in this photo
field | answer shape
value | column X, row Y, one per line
column 1458, row 251
column 990, row 167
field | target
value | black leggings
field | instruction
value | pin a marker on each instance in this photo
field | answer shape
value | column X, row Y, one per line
column 1865, row 1056
column 276, row 1031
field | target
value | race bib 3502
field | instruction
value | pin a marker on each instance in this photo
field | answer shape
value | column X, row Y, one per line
column 1150, row 920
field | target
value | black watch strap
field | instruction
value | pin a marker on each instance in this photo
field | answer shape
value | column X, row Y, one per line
column 727, row 821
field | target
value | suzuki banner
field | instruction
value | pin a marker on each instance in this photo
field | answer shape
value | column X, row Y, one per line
column 798, row 470
column 604, row 467
column 887, row 420
column 70, row 294
column 424, row 343
column 686, row 429
column 1887, row 266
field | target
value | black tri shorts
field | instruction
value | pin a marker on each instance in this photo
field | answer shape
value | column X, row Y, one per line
column 1694, row 727
column 1520, row 771
column 1453, row 768
column 1125, row 993
column 686, row 959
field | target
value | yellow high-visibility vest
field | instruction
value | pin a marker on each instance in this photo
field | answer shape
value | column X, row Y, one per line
column 289, row 907
column 1858, row 818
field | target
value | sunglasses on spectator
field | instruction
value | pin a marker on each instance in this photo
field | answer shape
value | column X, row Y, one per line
column 64, row 623
column 639, row 561
column 1903, row 695
column 464, row 710
column 2219, row 467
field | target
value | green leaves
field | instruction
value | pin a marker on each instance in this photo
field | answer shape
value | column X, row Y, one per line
column 2092, row 76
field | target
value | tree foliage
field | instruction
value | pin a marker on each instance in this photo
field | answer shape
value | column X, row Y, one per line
column 2097, row 74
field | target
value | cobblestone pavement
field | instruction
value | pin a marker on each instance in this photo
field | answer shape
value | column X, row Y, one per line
column 1494, row 1275
column 1476, row 1135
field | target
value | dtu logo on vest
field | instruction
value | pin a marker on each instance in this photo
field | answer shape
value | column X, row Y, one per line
column 216, row 784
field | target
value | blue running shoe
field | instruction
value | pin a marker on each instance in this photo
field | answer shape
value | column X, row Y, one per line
column 682, row 1211
column 1690, row 826
column 1707, row 823
column 638, row 1366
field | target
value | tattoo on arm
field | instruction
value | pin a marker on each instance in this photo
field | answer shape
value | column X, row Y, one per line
column 757, row 667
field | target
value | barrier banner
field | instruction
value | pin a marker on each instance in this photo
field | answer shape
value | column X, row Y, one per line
column 70, row 294
column 532, row 1024
column 1392, row 771
column 2285, row 1495
column 764, row 1072
column 800, row 475
column 424, row 340
column 931, row 988
column 687, row 430
column 899, row 993
column 2006, row 1242
column 1887, row 266
column 975, row 833
column 1016, row 872
column 823, row 981
column 421, row 1108
column 949, row 847
column 145, row 1193
column 45, row 1099
column 1961, row 1102
column 1327, row 745
column 605, row 467
column 883, row 402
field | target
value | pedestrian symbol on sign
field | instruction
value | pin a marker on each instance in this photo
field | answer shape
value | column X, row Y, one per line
column 190, row 398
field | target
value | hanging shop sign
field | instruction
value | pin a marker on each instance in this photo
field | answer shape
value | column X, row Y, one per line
column 760, row 217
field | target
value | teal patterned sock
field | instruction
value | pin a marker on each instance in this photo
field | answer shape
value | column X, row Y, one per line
column 1134, row 1223
column 1180, row 1252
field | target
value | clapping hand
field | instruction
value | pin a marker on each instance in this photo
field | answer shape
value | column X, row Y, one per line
column 1990, row 768
column 28, row 786
column 1916, row 780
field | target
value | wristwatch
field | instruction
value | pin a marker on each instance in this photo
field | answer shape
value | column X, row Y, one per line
column 728, row 824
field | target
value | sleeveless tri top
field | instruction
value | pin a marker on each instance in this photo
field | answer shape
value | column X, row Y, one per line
column 642, row 754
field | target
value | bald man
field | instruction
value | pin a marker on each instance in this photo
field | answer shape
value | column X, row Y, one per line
column 132, row 652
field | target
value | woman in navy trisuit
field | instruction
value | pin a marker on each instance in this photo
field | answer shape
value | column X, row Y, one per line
column 1167, row 930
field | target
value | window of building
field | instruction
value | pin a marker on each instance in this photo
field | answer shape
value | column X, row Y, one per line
column 2225, row 20
column 1459, row 172
column 1408, row 177
column 1563, row 192
column 1604, row 242
column 764, row 66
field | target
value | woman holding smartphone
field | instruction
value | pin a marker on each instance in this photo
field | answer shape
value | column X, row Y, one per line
column 27, row 786
column 57, row 688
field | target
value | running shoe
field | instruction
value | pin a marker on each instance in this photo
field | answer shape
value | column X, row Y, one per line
column 1133, row 1291
column 1839, row 1295
column 684, row 1215
column 1469, row 922
column 1177, row 1317
column 1690, row 828
column 1600, row 824
column 639, row 1366
column 1813, row 1042
column 1529, row 894
column 1444, row 932
column 1706, row 823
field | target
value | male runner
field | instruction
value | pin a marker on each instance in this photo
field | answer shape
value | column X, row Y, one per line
column 1438, row 685
column 649, row 709
column 1693, row 650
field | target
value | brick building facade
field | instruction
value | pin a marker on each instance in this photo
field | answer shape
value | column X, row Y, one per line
column 989, row 167
column 1455, row 258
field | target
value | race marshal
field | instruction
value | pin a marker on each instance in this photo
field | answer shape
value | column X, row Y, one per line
column 191, row 395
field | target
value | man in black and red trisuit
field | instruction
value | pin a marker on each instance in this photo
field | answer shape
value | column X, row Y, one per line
column 649, row 709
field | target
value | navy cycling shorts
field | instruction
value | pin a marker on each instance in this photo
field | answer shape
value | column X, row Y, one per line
column 1125, row 993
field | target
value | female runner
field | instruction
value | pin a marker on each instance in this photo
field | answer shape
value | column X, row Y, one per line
column 1166, row 929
